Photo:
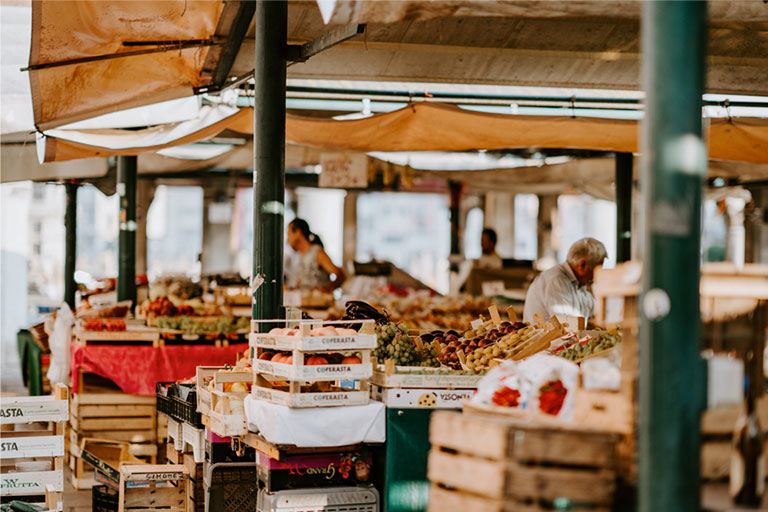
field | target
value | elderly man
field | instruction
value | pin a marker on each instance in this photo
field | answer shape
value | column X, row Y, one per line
column 565, row 289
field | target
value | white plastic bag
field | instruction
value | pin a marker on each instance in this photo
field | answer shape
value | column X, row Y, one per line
column 541, row 385
column 58, row 372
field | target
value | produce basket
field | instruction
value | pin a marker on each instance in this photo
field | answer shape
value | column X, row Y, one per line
column 230, row 487
column 219, row 375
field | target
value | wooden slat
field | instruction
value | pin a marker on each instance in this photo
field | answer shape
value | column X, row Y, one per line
column 153, row 472
column 497, row 479
column 445, row 500
column 141, row 423
column 112, row 399
column 157, row 497
column 112, row 411
column 133, row 436
column 503, row 438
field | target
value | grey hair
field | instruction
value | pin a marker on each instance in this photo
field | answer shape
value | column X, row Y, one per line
column 589, row 249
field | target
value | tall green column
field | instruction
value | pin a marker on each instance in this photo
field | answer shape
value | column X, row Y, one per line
column 672, row 383
column 126, row 243
column 70, row 243
column 623, row 207
column 271, row 23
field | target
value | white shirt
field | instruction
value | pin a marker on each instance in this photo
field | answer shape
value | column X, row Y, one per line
column 557, row 292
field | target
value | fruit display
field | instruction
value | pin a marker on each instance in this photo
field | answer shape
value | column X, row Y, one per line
column 317, row 331
column 314, row 359
column 204, row 325
column 480, row 345
column 589, row 346
column 393, row 342
column 103, row 324
column 420, row 310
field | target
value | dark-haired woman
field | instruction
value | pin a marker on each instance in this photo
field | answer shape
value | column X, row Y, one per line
column 313, row 268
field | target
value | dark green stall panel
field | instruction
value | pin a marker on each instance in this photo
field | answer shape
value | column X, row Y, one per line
column 403, row 484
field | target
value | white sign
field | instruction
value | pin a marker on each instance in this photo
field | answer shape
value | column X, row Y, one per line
column 31, row 483
column 31, row 446
column 344, row 171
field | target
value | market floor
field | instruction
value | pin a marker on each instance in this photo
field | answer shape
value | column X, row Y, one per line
column 74, row 500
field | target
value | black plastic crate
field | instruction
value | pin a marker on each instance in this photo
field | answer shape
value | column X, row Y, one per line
column 163, row 393
column 179, row 401
column 104, row 499
column 231, row 487
column 185, row 404
column 223, row 452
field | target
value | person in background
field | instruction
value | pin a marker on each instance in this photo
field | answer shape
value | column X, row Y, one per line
column 312, row 268
column 489, row 259
column 565, row 289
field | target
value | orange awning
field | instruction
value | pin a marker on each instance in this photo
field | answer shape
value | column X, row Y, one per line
column 91, row 57
column 440, row 127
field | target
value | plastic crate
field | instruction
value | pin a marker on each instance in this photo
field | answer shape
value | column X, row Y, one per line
column 163, row 392
column 230, row 486
column 329, row 499
column 104, row 499
column 179, row 402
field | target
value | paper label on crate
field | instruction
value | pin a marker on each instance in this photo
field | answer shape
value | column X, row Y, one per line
column 30, row 483
column 32, row 446
column 422, row 398
column 476, row 323
column 26, row 410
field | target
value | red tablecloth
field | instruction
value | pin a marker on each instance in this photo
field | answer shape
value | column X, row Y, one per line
column 136, row 369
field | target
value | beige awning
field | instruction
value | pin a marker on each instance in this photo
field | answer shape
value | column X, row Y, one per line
column 75, row 74
column 420, row 127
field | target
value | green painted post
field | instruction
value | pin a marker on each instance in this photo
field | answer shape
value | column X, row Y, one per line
column 269, row 164
column 70, row 243
column 672, row 383
column 623, row 207
column 126, row 243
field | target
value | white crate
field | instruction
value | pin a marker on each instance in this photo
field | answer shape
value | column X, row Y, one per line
column 220, row 376
column 365, row 339
column 24, row 447
column 310, row 399
column 31, row 409
column 227, row 415
column 426, row 398
column 413, row 377
column 30, row 482
column 316, row 373
column 348, row 499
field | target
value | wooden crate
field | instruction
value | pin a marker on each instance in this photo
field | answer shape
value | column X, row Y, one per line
column 166, row 497
column 505, row 464
column 136, row 336
column 42, row 437
column 296, row 395
column 116, row 416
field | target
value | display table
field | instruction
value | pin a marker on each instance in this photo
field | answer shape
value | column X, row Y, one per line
column 136, row 369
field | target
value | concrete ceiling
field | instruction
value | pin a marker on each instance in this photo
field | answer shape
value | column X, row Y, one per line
column 535, row 43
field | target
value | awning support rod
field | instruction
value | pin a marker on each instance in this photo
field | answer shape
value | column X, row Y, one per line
column 70, row 243
column 126, row 242
column 623, row 207
column 271, row 26
column 672, row 385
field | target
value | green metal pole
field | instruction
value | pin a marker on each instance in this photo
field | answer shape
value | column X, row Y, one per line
column 672, row 383
column 623, row 207
column 271, row 26
column 126, row 243
column 70, row 244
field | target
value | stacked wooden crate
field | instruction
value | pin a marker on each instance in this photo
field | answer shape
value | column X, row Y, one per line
column 33, row 446
column 298, row 383
column 195, row 491
column 114, row 416
column 487, row 463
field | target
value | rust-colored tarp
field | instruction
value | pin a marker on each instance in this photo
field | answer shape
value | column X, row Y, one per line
column 64, row 30
column 440, row 127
